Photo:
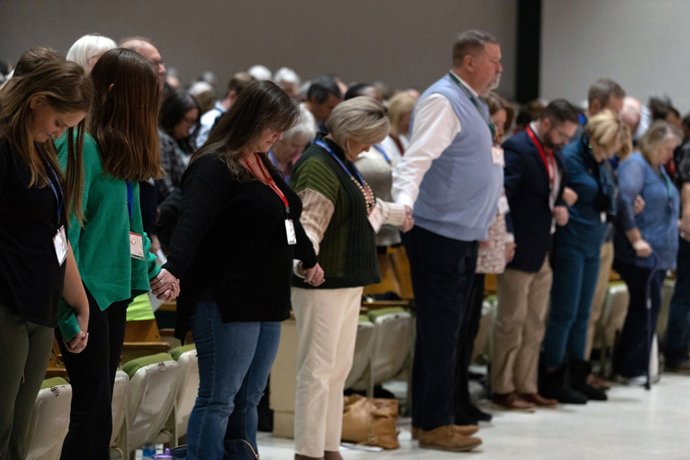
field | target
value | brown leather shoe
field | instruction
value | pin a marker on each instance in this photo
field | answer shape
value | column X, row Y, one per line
column 597, row 382
column 332, row 455
column 446, row 438
column 512, row 401
column 539, row 401
column 465, row 430
column 304, row 457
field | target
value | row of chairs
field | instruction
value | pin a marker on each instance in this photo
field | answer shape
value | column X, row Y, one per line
column 153, row 398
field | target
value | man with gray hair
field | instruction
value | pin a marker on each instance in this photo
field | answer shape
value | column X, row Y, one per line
column 144, row 47
column 450, row 179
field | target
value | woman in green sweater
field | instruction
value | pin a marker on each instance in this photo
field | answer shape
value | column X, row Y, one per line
column 341, row 216
column 111, row 250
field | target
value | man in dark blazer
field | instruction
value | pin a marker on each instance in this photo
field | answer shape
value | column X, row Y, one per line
column 535, row 181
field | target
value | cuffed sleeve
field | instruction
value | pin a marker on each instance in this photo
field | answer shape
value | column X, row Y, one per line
column 317, row 211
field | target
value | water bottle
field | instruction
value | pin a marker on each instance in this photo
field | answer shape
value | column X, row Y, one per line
column 149, row 450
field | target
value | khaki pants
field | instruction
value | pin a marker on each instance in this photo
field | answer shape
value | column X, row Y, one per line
column 523, row 299
column 327, row 328
column 599, row 294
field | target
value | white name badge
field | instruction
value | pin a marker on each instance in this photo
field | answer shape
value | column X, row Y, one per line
column 376, row 218
column 290, row 231
column 503, row 207
column 497, row 156
column 60, row 242
column 603, row 217
column 136, row 246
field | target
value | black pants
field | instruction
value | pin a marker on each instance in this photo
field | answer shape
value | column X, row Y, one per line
column 92, row 376
column 631, row 359
column 468, row 334
column 442, row 274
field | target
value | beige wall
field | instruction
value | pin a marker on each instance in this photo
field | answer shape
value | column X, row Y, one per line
column 402, row 42
column 642, row 44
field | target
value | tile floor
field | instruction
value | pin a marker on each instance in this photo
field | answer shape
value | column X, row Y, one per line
column 634, row 424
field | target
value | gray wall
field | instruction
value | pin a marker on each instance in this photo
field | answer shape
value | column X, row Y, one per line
column 644, row 45
column 402, row 42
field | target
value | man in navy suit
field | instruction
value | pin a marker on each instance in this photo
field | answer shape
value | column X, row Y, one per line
column 535, row 180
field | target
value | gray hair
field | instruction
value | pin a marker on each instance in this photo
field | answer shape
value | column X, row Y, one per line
column 660, row 131
column 362, row 119
column 286, row 74
column 87, row 47
column 470, row 42
column 306, row 126
column 602, row 90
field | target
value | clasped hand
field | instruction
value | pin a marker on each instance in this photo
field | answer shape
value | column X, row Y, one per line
column 165, row 286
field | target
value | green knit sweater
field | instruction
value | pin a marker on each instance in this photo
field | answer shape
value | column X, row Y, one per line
column 101, row 248
column 348, row 248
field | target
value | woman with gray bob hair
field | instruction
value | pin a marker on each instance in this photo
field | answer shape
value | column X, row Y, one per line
column 341, row 217
column 88, row 49
column 286, row 150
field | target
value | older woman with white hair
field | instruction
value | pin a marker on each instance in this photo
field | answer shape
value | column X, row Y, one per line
column 288, row 79
column 341, row 216
column 88, row 49
column 294, row 141
column 655, row 229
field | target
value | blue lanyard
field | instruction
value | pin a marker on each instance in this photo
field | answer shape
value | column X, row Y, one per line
column 383, row 152
column 61, row 197
column 273, row 158
column 325, row 146
column 476, row 104
column 130, row 199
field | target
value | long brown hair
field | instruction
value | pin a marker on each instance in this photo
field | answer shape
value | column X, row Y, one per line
column 261, row 105
column 67, row 89
column 123, row 119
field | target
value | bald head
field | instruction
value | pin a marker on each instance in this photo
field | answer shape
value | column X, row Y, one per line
column 150, row 53
column 631, row 113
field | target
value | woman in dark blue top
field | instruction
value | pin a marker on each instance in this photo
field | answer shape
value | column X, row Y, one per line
column 655, row 229
column 576, row 254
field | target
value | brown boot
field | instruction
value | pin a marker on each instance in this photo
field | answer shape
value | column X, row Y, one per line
column 539, row 401
column 446, row 438
column 304, row 457
column 465, row 430
column 332, row 455
column 598, row 383
column 512, row 401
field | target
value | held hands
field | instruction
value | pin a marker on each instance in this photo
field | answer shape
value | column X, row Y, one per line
column 510, row 252
column 561, row 215
column 314, row 275
column 408, row 223
column 165, row 286
column 569, row 196
column 638, row 205
column 642, row 248
column 78, row 343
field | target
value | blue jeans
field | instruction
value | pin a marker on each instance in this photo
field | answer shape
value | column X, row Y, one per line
column 235, row 360
column 575, row 272
column 678, row 331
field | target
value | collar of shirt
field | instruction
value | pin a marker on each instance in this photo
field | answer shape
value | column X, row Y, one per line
column 220, row 107
column 533, row 125
column 474, row 93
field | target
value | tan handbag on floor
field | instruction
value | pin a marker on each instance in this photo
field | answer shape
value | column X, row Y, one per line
column 371, row 422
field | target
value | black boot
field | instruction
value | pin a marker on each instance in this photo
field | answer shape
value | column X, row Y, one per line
column 579, row 372
column 476, row 413
column 555, row 385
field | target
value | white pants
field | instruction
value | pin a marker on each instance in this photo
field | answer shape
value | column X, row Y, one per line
column 327, row 327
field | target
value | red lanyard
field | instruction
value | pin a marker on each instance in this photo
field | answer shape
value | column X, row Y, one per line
column 550, row 163
column 269, row 179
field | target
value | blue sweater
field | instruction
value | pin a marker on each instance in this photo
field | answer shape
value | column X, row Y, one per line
column 458, row 197
column 596, row 205
column 658, row 222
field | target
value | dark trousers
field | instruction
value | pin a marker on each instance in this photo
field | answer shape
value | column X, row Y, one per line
column 468, row 334
column 632, row 356
column 442, row 274
column 92, row 376
column 678, row 331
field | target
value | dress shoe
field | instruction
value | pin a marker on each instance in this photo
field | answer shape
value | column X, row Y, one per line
column 680, row 368
column 539, row 401
column 465, row 430
column 446, row 438
column 332, row 455
column 597, row 382
column 304, row 457
column 512, row 401
column 474, row 412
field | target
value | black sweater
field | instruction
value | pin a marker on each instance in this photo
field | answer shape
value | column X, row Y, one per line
column 230, row 245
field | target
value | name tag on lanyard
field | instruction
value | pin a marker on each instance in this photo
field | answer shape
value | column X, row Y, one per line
column 60, row 242
column 497, row 156
column 290, row 231
column 136, row 246
column 376, row 218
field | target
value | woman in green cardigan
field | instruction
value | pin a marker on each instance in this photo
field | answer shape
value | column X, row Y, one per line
column 111, row 250
column 341, row 216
